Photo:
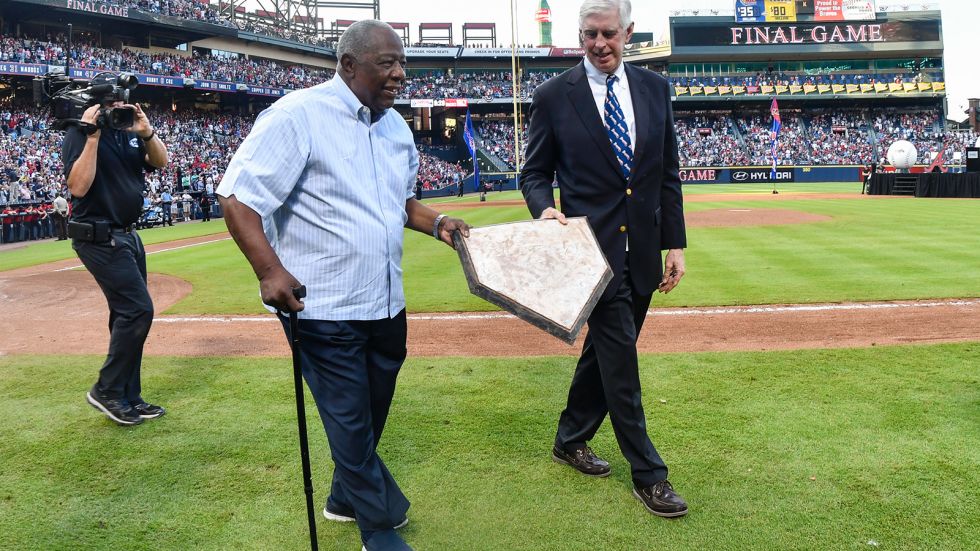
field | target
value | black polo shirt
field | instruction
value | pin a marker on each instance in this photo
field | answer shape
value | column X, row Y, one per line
column 116, row 194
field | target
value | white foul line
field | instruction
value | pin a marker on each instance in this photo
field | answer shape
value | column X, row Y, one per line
column 651, row 313
column 155, row 252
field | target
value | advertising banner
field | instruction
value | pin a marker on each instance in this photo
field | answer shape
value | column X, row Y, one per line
column 779, row 11
column 750, row 11
column 456, row 102
column 505, row 52
column 780, row 89
column 417, row 103
column 708, row 90
column 859, row 10
column 448, row 51
column 838, row 88
column 762, row 175
column 828, row 10
column 768, row 90
column 567, row 52
column 680, row 90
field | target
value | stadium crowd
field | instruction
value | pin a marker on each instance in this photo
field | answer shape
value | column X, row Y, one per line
column 473, row 85
column 232, row 68
column 435, row 173
column 703, row 139
column 498, row 140
column 200, row 144
column 206, row 12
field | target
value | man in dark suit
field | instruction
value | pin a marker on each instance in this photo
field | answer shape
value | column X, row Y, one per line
column 605, row 131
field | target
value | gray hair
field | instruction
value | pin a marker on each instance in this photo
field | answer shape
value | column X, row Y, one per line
column 595, row 7
column 358, row 39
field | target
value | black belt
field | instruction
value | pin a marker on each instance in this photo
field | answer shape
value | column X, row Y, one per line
column 125, row 229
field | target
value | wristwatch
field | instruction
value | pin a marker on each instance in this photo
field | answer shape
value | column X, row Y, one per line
column 89, row 129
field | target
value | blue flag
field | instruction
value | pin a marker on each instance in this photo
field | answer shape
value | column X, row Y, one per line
column 777, row 124
column 469, row 136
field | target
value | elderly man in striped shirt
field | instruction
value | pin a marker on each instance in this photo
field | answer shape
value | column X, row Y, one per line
column 318, row 195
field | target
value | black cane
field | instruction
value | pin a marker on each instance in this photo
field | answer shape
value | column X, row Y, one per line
column 304, row 444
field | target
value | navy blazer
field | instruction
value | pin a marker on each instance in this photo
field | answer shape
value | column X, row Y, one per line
column 567, row 141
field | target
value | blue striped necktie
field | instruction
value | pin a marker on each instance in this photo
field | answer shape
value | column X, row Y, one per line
column 616, row 128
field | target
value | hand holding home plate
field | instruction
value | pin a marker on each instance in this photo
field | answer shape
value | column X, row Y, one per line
column 548, row 274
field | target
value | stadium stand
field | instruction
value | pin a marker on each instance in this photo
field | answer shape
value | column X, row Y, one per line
column 228, row 68
column 851, row 109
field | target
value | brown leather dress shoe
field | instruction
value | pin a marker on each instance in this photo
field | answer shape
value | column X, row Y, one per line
column 582, row 460
column 661, row 500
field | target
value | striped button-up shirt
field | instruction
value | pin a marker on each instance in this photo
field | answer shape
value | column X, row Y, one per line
column 331, row 185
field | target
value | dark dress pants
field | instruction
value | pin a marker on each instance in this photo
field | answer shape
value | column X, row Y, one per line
column 120, row 270
column 351, row 368
column 607, row 380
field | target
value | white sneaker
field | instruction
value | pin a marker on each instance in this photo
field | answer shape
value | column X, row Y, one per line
column 337, row 517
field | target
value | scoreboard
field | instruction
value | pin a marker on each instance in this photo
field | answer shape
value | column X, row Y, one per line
column 783, row 11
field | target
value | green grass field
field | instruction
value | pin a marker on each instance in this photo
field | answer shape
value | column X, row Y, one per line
column 872, row 249
column 40, row 252
column 813, row 449
column 778, row 450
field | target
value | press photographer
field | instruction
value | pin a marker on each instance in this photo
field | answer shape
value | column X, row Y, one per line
column 106, row 151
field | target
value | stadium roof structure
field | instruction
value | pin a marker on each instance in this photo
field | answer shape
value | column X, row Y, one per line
column 480, row 32
column 403, row 30
column 436, row 33
column 303, row 17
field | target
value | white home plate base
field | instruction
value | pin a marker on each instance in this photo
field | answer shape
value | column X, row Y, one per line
column 545, row 273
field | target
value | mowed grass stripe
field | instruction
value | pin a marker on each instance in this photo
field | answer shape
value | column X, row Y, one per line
column 774, row 450
column 871, row 249
column 41, row 252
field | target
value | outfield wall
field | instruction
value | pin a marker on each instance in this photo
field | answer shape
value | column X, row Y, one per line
column 702, row 175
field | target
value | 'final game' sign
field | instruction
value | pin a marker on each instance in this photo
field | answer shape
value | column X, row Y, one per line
column 97, row 7
column 719, row 34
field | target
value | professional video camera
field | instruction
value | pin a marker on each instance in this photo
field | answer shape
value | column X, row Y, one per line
column 69, row 99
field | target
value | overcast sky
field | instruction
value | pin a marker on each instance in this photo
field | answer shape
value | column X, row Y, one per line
column 959, row 27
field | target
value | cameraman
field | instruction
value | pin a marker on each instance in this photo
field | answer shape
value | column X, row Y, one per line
column 105, row 172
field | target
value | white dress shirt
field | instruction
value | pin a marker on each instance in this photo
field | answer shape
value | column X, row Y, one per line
column 597, row 81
